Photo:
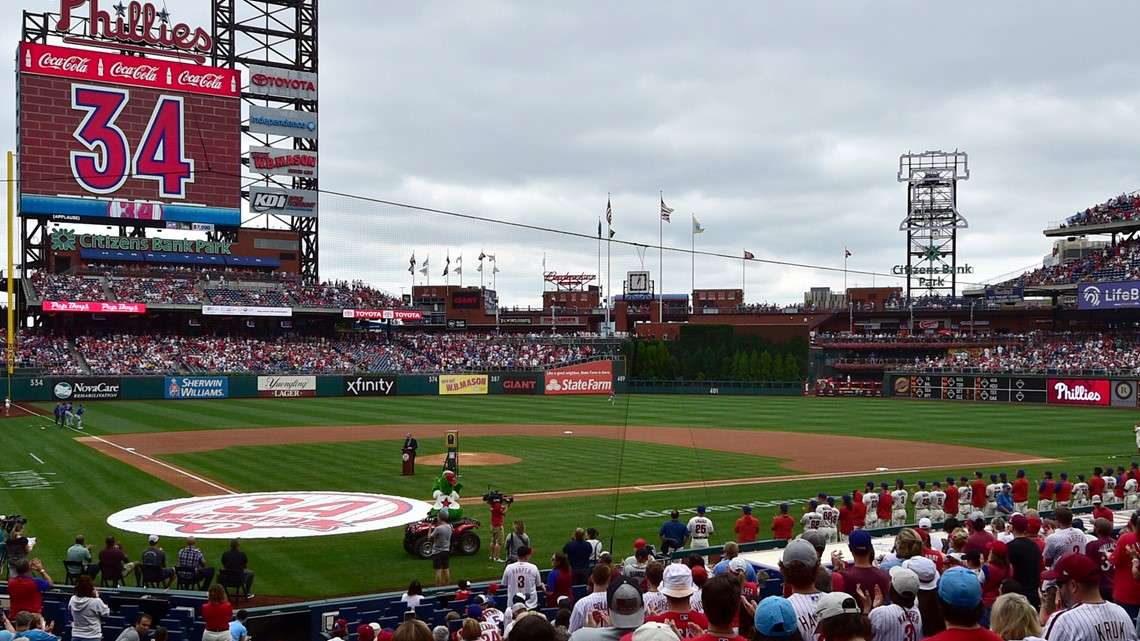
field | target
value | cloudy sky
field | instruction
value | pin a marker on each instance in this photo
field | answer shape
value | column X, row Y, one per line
column 778, row 124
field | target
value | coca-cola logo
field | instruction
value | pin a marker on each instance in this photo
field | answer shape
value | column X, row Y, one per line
column 201, row 80
column 149, row 73
column 77, row 64
column 281, row 82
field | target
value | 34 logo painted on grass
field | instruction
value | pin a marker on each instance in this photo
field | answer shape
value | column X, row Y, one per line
column 271, row 515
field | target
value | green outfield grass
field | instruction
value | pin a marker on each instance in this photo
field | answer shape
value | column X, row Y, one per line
column 80, row 487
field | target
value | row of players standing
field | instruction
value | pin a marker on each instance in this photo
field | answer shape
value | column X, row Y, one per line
column 887, row 507
column 66, row 415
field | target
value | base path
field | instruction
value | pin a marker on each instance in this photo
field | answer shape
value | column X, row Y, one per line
column 813, row 455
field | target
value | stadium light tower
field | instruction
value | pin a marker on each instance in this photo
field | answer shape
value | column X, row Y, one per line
column 932, row 221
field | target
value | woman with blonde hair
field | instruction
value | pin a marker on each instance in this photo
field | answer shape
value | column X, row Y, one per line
column 908, row 544
column 1014, row 619
column 217, row 612
column 471, row 630
column 414, row 630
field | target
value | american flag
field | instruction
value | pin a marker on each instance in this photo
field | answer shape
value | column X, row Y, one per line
column 609, row 213
column 665, row 211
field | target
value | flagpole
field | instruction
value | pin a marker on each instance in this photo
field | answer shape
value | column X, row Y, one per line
column 599, row 255
column 661, row 262
column 693, row 259
column 847, row 295
column 743, row 277
column 609, row 244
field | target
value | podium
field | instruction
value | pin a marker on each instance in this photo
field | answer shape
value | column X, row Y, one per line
column 409, row 459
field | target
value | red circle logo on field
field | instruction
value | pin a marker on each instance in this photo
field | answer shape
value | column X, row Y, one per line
column 271, row 515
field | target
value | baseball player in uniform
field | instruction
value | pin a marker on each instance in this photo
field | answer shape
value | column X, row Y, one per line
column 1136, row 431
column 1081, row 492
column 1020, row 493
column 871, row 500
column 951, row 497
column 830, row 515
column 1045, row 492
column 1109, row 484
column 921, row 500
column 886, row 505
column 1131, row 498
column 992, row 490
column 1063, row 492
column 937, row 503
column 811, row 520
column 899, row 499
column 965, row 499
column 700, row 529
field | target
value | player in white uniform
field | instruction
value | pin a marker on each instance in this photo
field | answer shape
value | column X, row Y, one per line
column 830, row 515
column 1131, row 498
column 522, row 577
column 871, row 500
column 992, row 490
column 937, row 503
column 1109, row 487
column 1081, row 492
column 1136, row 430
column 812, row 519
column 921, row 501
column 898, row 507
column 965, row 499
column 700, row 529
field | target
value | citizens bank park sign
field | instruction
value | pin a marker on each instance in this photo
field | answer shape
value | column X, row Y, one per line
column 271, row 515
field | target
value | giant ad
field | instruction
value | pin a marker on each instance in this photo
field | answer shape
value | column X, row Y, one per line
column 108, row 136
column 595, row 377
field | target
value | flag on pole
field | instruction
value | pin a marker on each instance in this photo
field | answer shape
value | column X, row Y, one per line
column 480, row 267
column 665, row 211
column 749, row 255
column 599, row 228
column 412, row 266
column 491, row 257
column 424, row 270
column 459, row 264
column 612, row 233
column 447, row 265
column 609, row 213
column 846, row 253
column 482, row 256
column 697, row 229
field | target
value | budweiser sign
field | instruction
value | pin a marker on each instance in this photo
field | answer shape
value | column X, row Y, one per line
column 93, row 307
column 135, row 22
column 1078, row 391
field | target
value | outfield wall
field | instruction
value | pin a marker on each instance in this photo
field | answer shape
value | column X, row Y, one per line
column 1049, row 389
column 592, row 377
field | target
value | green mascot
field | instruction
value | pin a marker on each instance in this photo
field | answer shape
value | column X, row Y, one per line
column 445, row 491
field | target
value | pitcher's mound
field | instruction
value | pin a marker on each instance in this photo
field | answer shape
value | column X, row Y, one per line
column 470, row 458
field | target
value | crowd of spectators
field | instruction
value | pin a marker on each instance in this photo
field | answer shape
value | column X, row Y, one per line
column 248, row 297
column 1125, row 207
column 44, row 350
column 344, row 295
column 305, row 355
column 156, row 291
column 1121, row 262
column 1041, row 352
column 129, row 353
column 67, row 287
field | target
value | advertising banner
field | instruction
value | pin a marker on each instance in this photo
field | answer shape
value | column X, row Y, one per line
column 1108, row 295
column 93, row 307
column 245, row 310
column 282, row 122
column 282, row 162
column 83, row 389
column 197, row 387
column 515, row 320
column 283, row 202
column 370, row 386
column 520, row 385
column 453, row 384
column 465, row 300
column 286, row 386
column 267, row 81
column 1069, row 391
column 587, row 378
column 1124, row 393
column 384, row 314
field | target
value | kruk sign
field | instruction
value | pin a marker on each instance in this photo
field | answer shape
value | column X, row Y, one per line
column 596, row 377
column 93, row 307
column 270, row 515
column 1069, row 391
column 286, row 386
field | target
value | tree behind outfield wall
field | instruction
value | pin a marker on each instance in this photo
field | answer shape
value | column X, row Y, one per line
column 716, row 353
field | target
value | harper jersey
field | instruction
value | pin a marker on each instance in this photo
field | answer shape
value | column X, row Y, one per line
column 900, row 496
column 896, row 623
column 522, row 577
column 804, row 606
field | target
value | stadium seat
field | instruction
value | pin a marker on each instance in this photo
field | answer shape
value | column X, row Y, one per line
column 72, row 571
column 233, row 581
column 186, row 578
column 152, row 577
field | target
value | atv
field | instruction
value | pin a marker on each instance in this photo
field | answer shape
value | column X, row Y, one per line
column 464, row 539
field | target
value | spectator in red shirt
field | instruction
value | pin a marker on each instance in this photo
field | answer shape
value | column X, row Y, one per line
column 1099, row 510
column 677, row 586
column 979, row 539
column 25, row 592
column 217, row 612
column 747, row 527
column 1125, row 587
column 783, row 524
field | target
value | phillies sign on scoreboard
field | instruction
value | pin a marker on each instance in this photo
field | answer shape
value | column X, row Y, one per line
column 1067, row 391
column 103, row 135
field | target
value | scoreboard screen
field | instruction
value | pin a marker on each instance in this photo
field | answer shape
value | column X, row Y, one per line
column 972, row 387
column 106, row 136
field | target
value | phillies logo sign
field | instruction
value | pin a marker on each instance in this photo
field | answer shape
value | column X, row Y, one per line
column 1078, row 392
column 271, row 515
column 135, row 22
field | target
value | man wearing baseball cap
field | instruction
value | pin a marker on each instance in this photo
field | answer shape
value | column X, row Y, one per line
column 838, row 616
column 775, row 619
column 863, row 575
column 783, row 524
column 960, row 600
column 799, row 564
column 1100, row 510
column 892, row 621
column 1025, row 559
column 700, row 529
column 747, row 527
column 626, row 613
column 1125, row 588
column 677, row 586
column 1020, row 492
column 730, row 551
column 1087, row 616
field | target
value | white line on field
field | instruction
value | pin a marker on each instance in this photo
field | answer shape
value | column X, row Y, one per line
column 36, row 457
column 132, row 452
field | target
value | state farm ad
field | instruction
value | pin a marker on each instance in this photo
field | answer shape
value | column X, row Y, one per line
column 286, row 386
column 1069, row 391
column 596, row 377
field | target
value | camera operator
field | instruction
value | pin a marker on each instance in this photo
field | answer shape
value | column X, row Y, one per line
column 500, row 504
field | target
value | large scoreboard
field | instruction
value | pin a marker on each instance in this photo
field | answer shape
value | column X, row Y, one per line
column 1005, row 388
column 144, row 140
